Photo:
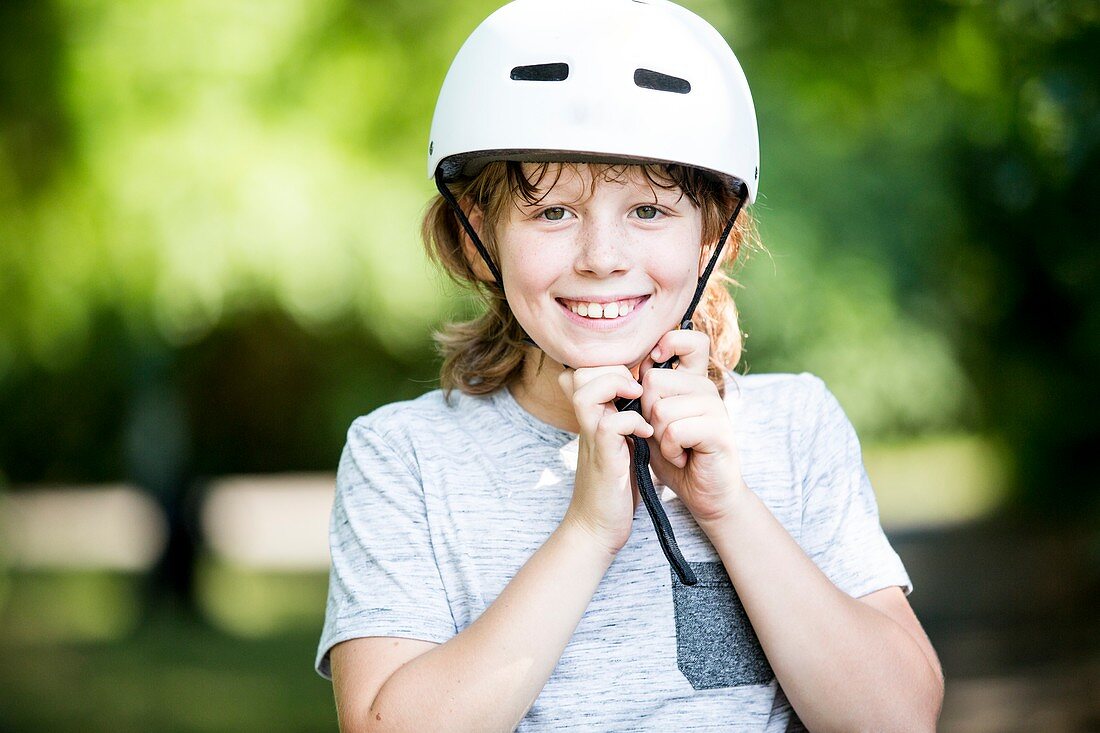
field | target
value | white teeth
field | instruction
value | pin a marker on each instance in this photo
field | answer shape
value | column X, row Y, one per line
column 601, row 310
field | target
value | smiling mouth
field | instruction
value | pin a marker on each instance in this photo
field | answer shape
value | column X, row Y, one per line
column 602, row 311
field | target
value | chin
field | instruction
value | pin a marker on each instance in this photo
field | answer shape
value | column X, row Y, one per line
column 606, row 356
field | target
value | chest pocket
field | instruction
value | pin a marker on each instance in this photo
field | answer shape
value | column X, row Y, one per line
column 716, row 645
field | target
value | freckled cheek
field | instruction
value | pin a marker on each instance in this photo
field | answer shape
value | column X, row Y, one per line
column 529, row 280
column 674, row 271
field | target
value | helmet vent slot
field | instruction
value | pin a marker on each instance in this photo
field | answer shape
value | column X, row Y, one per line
column 647, row 79
column 541, row 72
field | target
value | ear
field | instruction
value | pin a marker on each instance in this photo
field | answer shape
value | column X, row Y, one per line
column 473, row 257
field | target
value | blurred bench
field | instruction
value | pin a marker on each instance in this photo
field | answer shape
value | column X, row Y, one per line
column 264, row 558
column 74, row 559
column 270, row 522
column 105, row 527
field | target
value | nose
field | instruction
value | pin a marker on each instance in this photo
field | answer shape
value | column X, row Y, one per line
column 602, row 248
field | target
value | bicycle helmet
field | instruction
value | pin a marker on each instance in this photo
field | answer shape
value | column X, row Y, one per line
column 596, row 80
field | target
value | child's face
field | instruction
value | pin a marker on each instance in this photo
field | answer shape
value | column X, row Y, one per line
column 629, row 247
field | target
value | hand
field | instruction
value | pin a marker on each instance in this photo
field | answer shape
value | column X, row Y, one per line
column 693, row 447
column 604, row 497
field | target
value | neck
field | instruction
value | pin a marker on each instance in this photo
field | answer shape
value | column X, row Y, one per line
column 538, row 392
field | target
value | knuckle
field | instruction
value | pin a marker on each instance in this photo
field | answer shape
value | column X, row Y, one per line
column 654, row 377
column 579, row 402
column 669, row 450
column 705, row 385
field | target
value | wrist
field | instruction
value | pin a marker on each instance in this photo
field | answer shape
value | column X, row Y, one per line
column 732, row 508
column 576, row 533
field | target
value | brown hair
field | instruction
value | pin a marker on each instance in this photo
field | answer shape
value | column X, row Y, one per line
column 486, row 353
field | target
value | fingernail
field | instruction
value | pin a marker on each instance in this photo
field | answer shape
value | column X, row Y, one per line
column 655, row 355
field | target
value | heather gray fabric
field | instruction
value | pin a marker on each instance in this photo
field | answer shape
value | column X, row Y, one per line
column 715, row 643
column 438, row 505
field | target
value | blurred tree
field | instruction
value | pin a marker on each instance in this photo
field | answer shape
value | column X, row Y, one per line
column 35, row 127
column 957, row 144
column 1025, row 283
column 209, row 259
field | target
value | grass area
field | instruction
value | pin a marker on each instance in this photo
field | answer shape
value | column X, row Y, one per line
column 54, row 606
column 173, row 674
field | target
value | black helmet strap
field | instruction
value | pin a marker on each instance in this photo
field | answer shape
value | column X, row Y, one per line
column 445, row 192
column 641, row 457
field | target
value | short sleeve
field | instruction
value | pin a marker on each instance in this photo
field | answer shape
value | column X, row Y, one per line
column 841, row 531
column 384, row 580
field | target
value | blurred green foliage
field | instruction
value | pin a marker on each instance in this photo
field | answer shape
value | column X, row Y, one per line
column 208, row 214
column 255, row 603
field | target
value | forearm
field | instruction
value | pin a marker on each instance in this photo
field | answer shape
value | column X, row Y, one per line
column 488, row 676
column 843, row 665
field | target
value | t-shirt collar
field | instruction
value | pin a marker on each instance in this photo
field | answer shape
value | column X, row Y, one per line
column 515, row 413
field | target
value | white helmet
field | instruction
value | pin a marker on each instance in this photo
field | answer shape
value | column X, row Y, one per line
column 600, row 80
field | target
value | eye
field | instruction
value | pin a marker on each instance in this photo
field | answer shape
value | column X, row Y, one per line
column 554, row 213
column 647, row 212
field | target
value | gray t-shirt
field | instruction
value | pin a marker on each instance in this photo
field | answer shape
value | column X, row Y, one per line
column 438, row 505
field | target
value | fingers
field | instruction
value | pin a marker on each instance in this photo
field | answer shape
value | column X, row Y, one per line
column 670, row 410
column 693, row 348
column 661, row 384
column 593, row 392
column 613, row 427
column 604, row 497
column 683, row 405
column 676, row 421
column 681, row 409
